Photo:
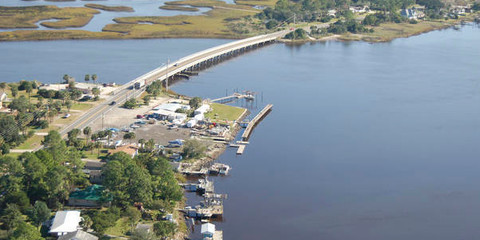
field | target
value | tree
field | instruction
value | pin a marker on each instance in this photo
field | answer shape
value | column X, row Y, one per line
column 193, row 148
column 69, row 104
column 195, row 102
column 146, row 99
column 141, row 142
column 142, row 234
column 71, row 84
column 94, row 78
column 28, row 89
column 164, row 228
column 133, row 216
column 87, row 77
column 73, row 136
column 130, row 103
column 3, row 85
column 87, row 131
column 129, row 136
column 20, row 104
column 66, row 78
column 14, row 91
column 9, row 130
column 25, row 231
column 11, row 217
column 96, row 91
column 40, row 213
column 149, row 145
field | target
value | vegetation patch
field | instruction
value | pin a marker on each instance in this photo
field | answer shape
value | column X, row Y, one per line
column 224, row 112
column 179, row 8
column 27, row 17
column 110, row 8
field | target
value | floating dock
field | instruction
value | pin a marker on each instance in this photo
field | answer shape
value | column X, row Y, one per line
column 255, row 121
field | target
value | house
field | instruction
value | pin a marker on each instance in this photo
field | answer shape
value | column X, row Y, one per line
column 332, row 12
column 409, row 13
column 460, row 10
column 65, row 222
column 94, row 171
column 202, row 109
column 128, row 149
column 91, row 196
column 359, row 9
column 163, row 114
column 3, row 97
column 78, row 235
column 207, row 230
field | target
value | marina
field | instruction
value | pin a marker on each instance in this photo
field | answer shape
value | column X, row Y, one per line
column 255, row 121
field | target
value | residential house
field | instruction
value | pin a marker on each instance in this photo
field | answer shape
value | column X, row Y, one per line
column 91, row 196
column 359, row 9
column 3, row 97
column 94, row 170
column 65, row 222
column 410, row 13
column 131, row 150
column 78, row 235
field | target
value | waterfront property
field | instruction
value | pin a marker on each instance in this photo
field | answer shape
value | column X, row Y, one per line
column 91, row 196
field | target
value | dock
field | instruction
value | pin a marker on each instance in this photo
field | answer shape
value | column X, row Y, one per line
column 241, row 149
column 230, row 98
column 255, row 121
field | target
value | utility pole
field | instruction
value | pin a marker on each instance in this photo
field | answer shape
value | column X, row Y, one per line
column 166, row 75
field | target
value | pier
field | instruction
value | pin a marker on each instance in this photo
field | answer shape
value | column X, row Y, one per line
column 229, row 98
column 255, row 121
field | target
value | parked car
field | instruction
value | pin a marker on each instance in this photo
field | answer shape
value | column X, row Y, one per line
column 139, row 116
column 113, row 103
column 66, row 115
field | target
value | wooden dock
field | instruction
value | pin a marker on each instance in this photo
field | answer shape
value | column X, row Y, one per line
column 241, row 149
column 255, row 121
column 230, row 98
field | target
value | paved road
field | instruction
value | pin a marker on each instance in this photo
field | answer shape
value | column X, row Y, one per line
column 125, row 92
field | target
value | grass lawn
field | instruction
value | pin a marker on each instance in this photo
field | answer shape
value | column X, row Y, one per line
column 94, row 155
column 224, row 112
column 31, row 143
column 82, row 106
column 120, row 229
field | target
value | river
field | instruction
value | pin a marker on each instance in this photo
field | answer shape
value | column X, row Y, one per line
column 365, row 141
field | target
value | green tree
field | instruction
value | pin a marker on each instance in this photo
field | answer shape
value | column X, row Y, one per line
column 94, row 78
column 193, row 148
column 130, row 103
column 66, row 78
column 69, row 104
column 87, row 131
column 20, row 104
column 164, row 228
column 146, row 99
column 195, row 102
column 11, row 217
column 14, row 91
column 134, row 215
column 9, row 130
column 141, row 142
column 40, row 213
column 149, row 145
column 96, row 91
column 129, row 136
column 87, row 77
column 28, row 89
column 3, row 85
column 25, row 231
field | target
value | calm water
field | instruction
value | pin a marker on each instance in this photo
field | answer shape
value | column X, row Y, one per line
column 366, row 141
column 141, row 7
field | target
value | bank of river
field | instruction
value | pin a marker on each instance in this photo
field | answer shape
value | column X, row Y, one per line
column 366, row 141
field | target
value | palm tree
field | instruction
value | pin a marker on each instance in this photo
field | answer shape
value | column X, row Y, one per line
column 66, row 78
column 109, row 135
column 94, row 78
column 87, row 77
column 87, row 131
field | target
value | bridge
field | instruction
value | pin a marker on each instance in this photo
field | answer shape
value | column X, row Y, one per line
column 192, row 62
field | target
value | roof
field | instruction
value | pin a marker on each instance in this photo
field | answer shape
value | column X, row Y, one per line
column 208, row 228
column 78, row 235
column 94, row 165
column 66, row 221
column 172, row 107
column 91, row 193
column 128, row 149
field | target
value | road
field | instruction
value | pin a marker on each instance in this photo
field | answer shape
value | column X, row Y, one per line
column 124, row 92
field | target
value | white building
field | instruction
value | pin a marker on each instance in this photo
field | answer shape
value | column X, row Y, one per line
column 202, row 109
column 207, row 230
column 78, row 235
column 65, row 222
column 3, row 97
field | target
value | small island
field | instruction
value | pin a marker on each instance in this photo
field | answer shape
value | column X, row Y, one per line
column 179, row 8
column 110, row 8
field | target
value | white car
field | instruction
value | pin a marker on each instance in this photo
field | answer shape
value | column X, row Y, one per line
column 66, row 115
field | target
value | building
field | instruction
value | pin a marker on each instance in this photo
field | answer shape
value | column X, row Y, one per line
column 202, row 109
column 94, row 171
column 359, row 9
column 91, row 196
column 409, row 13
column 128, row 149
column 65, row 222
column 3, row 97
column 78, row 235
column 207, row 231
column 163, row 114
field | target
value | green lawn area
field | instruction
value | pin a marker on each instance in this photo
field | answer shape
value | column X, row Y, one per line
column 81, row 106
column 31, row 143
column 89, row 155
column 222, row 112
column 120, row 229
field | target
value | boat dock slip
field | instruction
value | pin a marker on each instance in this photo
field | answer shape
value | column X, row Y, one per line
column 241, row 149
column 255, row 121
